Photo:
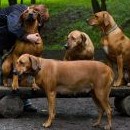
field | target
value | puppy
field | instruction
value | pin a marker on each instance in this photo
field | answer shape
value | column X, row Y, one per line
column 30, row 22
column 79, row 46
column 115, row 43
column 70, row 77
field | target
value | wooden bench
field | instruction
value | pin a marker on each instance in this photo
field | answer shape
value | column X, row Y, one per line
column 11, row 104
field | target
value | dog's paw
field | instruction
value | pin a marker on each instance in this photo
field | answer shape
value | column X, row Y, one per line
column 47, row 124
column 96, row 124
column 117, row 84
column 107, row 127
column 15, row 86
column 35, row 87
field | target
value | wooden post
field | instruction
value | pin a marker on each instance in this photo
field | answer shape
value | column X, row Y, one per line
column 33, row 1
column 12, row 2
column 21, row 2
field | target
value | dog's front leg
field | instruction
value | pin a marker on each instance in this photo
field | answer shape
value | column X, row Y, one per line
column 120, row 71
column 51, row 95
column 34, row 85
column 15, row 84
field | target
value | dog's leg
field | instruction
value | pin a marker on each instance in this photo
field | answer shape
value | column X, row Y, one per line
column 15, row 84
column 6, row 69
column 34, row 85
column 102, row 96
column 51, row 95
column 120, row 71
column 98, row 122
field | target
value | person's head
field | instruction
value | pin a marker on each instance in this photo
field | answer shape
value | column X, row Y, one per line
column 43, row 11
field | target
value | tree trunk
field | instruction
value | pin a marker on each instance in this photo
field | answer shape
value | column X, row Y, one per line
column 103, row 5
column 12, row 2
column 0, row 4
column 21, row 2
column 96, row 6
column 33, row 1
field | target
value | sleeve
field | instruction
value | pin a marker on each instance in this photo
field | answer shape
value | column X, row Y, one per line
column 14, row 24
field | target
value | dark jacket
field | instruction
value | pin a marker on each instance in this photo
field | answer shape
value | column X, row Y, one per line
column 10, row 26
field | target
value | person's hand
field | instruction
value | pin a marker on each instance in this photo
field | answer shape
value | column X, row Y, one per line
column 33, row 37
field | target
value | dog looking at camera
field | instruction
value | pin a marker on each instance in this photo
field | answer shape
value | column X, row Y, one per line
column 79, row 46
column 30, row 19
column 70, row 77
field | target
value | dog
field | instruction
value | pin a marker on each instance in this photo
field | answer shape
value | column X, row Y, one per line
column 70, row 77
column 115, row 43
column 30, row 19
column 79, row 46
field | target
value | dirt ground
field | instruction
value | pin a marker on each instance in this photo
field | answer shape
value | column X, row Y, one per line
column 72, row 114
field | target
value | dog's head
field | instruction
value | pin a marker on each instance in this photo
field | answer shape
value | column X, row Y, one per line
column 42, row 10
column 102, row 18
column 27, row 64
column 74, row 39
column 29, row 16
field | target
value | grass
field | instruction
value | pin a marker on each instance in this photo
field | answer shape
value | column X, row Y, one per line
column 68, row 15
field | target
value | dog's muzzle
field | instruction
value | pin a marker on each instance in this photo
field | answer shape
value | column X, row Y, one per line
column 15, row 72
column 30, row 17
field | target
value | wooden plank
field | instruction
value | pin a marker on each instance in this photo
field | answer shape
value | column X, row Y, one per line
column 27, row 92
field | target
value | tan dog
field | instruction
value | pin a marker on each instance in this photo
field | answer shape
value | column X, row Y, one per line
column 70, row 77
column 114, row 42
column 79, row 46
column 21, row 47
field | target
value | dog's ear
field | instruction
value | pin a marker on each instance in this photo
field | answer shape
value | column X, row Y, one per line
column 40, row 20
column 34, row 63
column 84, row 38
column 21, row 19
column 106, row 19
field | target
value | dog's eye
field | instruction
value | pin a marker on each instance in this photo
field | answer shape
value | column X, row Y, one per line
column 35, row 11
column 22, row 63
column 73, row 38
column 96, row 16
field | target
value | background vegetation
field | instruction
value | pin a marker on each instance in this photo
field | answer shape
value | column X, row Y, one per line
column 68, row 15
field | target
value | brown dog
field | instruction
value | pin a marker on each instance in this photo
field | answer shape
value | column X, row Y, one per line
column 70, row 77
column 79, row 46
column 114, row 42
column 21, row 47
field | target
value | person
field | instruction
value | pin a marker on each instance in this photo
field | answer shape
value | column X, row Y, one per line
column 11, row 29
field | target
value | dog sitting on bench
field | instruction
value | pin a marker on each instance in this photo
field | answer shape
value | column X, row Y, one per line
column 115, row 43
column 30, row 21
column 79, row 46
column 70, row 77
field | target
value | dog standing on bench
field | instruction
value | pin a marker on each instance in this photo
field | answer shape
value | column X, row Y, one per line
column 70, row 77
column 115, row 43
column 30, row 21
column 79, row 46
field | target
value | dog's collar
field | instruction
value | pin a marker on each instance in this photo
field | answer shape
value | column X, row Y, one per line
column 111, row 30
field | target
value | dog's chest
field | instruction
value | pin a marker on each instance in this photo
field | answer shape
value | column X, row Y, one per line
column 106, row 49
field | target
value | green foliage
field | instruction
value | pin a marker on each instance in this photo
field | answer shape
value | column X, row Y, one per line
column 68, row 15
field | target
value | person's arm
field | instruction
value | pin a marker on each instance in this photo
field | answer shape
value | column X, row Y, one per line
column 14, row 24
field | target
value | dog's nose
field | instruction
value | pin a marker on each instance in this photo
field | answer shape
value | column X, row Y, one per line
column 66, row 46
column 30, row 14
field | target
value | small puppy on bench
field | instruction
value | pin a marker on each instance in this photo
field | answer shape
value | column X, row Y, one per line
column 79, row 46
column 70, row 77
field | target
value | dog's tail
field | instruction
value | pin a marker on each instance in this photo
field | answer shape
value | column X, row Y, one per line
column 110, row 80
